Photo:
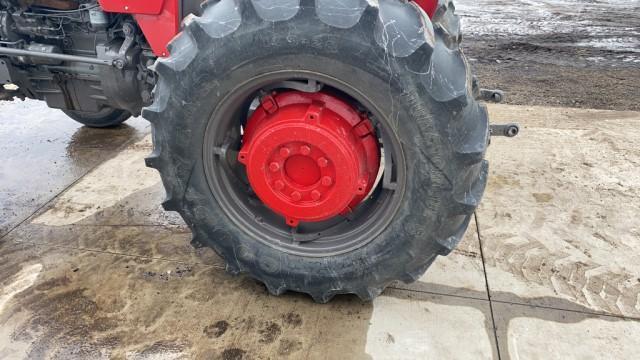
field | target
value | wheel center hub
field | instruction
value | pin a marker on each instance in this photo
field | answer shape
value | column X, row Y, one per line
column 309, row 156
column 302, row 170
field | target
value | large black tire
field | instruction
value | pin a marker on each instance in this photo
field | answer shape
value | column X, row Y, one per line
column 107, row 117
column 413, row 73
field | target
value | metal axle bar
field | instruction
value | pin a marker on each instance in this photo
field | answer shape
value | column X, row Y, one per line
column 63, row 57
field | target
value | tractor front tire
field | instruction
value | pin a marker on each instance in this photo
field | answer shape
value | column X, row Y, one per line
column 389, row 59
column 107, row 117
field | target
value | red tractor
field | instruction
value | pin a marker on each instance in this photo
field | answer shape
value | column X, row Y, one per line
column 322, row 146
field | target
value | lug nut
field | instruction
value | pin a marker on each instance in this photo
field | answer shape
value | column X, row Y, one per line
column 284, row 152
column 327, row 181
column 315, row 195
column 279, row 185
column 274, row 166
column 362, row 184
column 296, row 196
column 305, row 150
column 322, row 162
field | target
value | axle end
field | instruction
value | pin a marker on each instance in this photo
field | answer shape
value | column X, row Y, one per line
column 507, row 130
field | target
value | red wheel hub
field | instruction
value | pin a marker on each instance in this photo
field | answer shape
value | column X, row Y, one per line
column 309, row 156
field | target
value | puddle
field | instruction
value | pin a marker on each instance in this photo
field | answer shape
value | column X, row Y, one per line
column 42, row 152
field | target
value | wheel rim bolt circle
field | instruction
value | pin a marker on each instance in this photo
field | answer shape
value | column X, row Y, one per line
column 290, row 189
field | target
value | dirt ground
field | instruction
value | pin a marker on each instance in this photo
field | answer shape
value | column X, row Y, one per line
column 572, row 53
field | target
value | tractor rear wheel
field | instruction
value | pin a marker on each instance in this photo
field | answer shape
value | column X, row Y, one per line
column 324, row 147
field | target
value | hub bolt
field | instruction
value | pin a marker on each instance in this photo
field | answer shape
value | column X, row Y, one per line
column 279, row 185
column 284, row 152
column 315, row 195
column 362, row 184
column 296, row 196
column 322, row 162
column 274, row 166
column 305, row 150
column 327, row 181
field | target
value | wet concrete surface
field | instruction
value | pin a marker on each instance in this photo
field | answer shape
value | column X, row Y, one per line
column 42, row 152
column 101, row 271
column 89, row 304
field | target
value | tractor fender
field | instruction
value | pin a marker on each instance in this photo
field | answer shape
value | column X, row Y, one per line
column 159, row 20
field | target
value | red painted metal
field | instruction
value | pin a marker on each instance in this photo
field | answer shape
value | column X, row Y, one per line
column 309, row 156
column 148, row 7
column 429, row 6
column 158, row 19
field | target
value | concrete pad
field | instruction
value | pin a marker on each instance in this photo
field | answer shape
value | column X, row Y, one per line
column 559, row 220
column 459, row 273
column 42, row 152
column 537, row 333
column 410, row 326
column 87, row 304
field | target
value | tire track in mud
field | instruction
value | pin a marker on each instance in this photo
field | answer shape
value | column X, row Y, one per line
column 559, row 219
column 587, row 283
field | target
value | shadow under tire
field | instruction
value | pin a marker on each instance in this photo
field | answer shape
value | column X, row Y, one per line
column 413, row 79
